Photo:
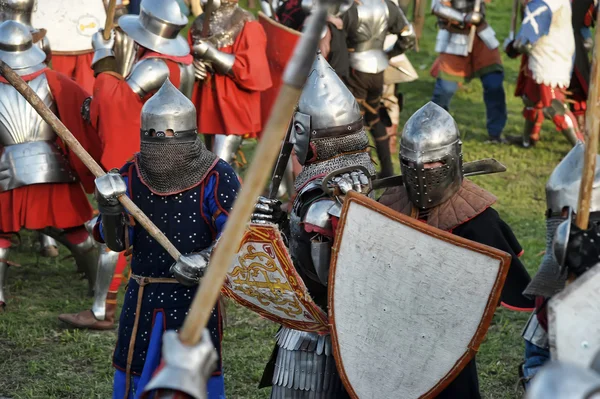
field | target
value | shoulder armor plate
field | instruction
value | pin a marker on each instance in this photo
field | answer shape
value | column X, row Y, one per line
column 148, row 75
column 318, row 214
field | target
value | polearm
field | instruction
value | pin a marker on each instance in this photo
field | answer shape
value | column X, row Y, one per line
column 294, row 78
column 110, row 19
column 592, row 128
column 67, row 137
column 473, row 31
column 513, row 20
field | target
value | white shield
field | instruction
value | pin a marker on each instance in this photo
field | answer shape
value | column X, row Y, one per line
column 409, row 304
column 69, row 24
column 574, row 320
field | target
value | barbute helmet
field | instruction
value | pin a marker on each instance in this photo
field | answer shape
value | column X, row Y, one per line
column 17, row 49
column 327, row 110
column 430, row 136
column 562, row 188
column 157, row 27
column 168, row 116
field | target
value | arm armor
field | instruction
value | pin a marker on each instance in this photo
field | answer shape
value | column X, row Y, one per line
column 446, row 12
column 221, row 62
column 318, row 219
column 148, row 75
column 114, row 228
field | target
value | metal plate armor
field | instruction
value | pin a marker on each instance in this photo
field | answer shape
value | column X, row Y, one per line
column 186, row 80
column 420, row 281
column 30, row 154
column 368, row 55
column 70, row 24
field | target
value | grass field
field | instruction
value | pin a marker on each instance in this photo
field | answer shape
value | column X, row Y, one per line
column 39, row 358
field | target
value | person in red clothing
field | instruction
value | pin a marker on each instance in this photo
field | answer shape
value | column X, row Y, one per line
column 41, row 182
column 231, row 66
column 115, row 109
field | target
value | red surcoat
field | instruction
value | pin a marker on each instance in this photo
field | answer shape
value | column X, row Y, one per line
column 231, row 105
column 60, row 205
column 77, row 67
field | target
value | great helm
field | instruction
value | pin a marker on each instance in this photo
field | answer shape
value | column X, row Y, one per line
column 157, row 27
column 431, row 136
column 168, row 117
column 17, row 49
column 562, row 188
column 17, row 10
column 326, row 111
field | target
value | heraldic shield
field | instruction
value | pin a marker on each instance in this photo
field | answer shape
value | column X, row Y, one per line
column 573, row 322
column 408, row 304
column 263, row 279
column 70, row 24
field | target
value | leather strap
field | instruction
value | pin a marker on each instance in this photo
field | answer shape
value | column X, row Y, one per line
column 142, row 282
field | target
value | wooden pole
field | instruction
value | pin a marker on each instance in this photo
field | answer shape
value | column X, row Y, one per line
column 267, row 151
column 110, row 19
column 473, row 31
column 67, row 137
column 592, row 127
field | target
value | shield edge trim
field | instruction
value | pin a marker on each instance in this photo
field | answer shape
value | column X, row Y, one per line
column 320, row 325
column 490, row 307
column 263, row 16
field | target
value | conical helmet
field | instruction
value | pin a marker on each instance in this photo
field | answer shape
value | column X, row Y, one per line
column 431, row 156
column 17, row 49
column 17, row 10
column 326, row 111
column 562, row 188
column 169, row 116
column 157, row 27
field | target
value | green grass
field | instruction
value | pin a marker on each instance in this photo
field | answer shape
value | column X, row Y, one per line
column 39, row 358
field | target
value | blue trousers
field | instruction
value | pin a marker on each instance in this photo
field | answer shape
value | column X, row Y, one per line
column 493, row 96
column 215, row 386
column 535, row 358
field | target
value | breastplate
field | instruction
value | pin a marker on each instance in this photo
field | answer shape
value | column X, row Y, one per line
column 29, row 153
column 368, row 55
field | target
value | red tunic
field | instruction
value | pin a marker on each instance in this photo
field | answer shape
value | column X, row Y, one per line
column 231, row 105
column 115, row 112
column 78, row 67
column 60, row 205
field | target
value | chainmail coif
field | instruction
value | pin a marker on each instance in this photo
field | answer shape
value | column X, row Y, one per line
column 171, row 167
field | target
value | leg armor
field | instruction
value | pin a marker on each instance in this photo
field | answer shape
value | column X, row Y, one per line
column 564, row 120
column 533, row 123
column 84, row 251
column 3, row 272
column 49, row 246
column 226, row 146
column 107, row 263
column 305, row 367
column 495, row 103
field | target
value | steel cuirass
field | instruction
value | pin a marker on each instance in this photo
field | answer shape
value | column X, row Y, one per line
column 30, row 154
column 367, row 41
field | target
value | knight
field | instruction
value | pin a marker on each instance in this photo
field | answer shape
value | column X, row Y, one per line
column 436, row 192
column 187, row 192
column 366, row 24
column 545, row 38
column 464, row 56
column 160, row 53
column 329, row 135
column 41, row 182
column 231, row 69
column 562, row 191
column 583, row 19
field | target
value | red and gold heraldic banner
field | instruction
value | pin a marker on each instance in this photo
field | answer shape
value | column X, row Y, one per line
column 263, row 279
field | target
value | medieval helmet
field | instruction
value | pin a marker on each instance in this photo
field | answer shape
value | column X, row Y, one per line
column 157, row 27
column 17, row 10
column 168, row 116
column 562, row 188
column 17, row 49
column 326, row 111
column 431, row 136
